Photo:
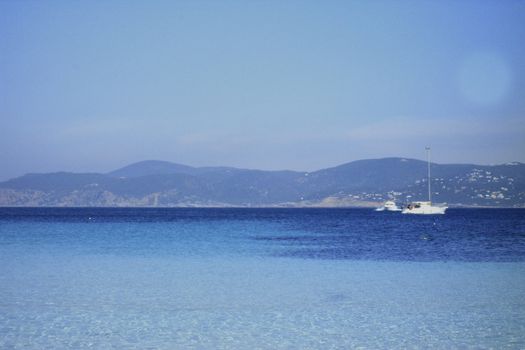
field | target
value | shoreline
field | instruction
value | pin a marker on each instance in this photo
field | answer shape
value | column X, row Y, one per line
column 450, row 206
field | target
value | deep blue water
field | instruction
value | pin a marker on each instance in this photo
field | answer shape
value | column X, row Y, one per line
column 473, row 235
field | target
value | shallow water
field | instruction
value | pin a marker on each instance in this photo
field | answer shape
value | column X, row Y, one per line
column 261, row 278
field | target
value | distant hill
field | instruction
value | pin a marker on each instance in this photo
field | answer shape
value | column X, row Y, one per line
column 359, row 183
column 152, row 167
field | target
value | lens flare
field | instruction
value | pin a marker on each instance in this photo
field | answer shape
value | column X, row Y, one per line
column 484, row 79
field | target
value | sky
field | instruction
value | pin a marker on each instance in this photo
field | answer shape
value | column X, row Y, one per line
column 90, row 86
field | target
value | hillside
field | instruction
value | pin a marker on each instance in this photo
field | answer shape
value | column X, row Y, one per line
column 359, row 183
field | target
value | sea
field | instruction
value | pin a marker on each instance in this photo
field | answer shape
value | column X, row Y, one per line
column 261, row 278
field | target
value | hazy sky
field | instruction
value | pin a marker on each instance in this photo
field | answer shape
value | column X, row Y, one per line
column 95, row 85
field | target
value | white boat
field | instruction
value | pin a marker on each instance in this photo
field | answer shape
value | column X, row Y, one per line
column 425, row 207
column 389, row 206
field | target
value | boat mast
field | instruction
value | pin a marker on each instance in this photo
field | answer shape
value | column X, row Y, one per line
column 428, row 172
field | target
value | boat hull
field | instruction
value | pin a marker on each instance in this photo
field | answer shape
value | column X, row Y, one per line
column 389, row 206
column 425, row 210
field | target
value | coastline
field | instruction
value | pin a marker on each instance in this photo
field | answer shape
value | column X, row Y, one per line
column 370, row 205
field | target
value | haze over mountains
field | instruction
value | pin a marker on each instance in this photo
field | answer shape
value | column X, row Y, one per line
column 358, row 183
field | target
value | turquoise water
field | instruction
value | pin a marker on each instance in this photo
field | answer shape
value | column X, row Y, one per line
column 261, row 278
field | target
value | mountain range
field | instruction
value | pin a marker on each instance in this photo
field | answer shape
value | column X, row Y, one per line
column 359, row 183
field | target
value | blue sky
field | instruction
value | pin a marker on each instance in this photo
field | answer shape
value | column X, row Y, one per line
column 95, row 85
